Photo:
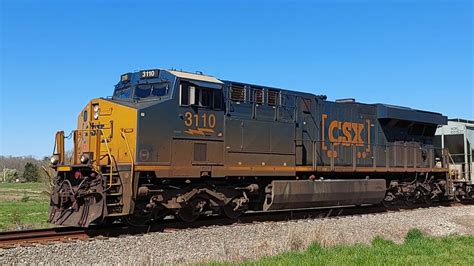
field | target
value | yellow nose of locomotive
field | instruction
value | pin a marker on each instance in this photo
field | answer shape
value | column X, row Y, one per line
column 91, row 183
column 106, row 129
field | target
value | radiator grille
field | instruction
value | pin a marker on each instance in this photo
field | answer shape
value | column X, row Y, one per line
column 272, row 97
column 237, row 94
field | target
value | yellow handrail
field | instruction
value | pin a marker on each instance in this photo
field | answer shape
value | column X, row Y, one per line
column 110, row 157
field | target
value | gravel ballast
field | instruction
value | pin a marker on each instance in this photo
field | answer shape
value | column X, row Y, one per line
column 249, row 241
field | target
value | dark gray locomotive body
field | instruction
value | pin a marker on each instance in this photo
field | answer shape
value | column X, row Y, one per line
column 206, row 146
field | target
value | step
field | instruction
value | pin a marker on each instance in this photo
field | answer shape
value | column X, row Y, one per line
column 113, row 174
column 115, row 214
column 114, row 204
column 114, row 194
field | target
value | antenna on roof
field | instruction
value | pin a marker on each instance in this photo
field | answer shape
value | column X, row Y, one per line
column 199, row 72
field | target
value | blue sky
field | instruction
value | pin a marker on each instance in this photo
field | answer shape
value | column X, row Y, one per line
column 57, row 55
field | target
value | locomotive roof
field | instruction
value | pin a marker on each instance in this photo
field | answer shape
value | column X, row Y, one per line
column 383, row 110
column 406, row 113
column 195, row 76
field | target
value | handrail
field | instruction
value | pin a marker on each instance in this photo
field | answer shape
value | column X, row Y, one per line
column 451, row 158
column 59, row 146
column 110, row 158
column 403, row 155
column 98, row 133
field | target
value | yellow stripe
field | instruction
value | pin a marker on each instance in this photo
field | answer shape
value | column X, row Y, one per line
column 293, row 168
column 64, row 168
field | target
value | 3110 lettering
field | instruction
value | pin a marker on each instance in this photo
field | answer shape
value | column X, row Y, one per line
column 193, row 120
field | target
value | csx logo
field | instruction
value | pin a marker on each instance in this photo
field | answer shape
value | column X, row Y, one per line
column 346, row 133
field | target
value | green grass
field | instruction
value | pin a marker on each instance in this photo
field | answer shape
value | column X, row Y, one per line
column 38, row 186
column 23, row 205
column 417, row 249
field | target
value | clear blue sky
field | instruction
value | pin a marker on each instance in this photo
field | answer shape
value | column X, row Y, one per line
column 57, row 55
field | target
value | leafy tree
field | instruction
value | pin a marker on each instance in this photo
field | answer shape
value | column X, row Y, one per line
column 9, row 175
column 31, row 172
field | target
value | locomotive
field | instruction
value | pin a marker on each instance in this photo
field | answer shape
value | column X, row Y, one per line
column 187, row 144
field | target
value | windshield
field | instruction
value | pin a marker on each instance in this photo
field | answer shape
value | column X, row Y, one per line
column 123, row 93
column 150, row 90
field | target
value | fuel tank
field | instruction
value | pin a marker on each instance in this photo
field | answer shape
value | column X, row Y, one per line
column 292, row 194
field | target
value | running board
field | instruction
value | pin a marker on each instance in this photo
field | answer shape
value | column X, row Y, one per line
column 296, row 194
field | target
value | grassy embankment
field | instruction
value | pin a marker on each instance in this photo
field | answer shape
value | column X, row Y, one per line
column 418, row 249
column 23, row 206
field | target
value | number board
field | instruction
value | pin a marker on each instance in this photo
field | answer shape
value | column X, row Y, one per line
column 145, row 74
column 125, row 77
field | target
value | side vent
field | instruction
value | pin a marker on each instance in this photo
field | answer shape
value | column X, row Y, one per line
column 257, row 96
column 237, row 94
column 272, row 97
column 200, row 152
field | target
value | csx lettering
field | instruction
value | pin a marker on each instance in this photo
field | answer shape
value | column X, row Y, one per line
column 346, row 133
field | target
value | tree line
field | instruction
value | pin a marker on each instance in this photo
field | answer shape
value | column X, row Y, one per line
column 22, row 169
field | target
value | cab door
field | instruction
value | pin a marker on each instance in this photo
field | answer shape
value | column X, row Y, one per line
column 200, row 147
column 307, row 131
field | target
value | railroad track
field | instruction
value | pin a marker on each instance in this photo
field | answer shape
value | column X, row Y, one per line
column 26, row 237
column 66, row 234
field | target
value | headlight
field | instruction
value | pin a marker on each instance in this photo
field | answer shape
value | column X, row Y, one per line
column 84, row 158
column 54, row 159
column 96, row 109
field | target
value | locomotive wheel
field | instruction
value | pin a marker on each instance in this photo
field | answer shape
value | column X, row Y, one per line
column 471, row 195
column 137, row 220
column 390, row 200
column 427, row 199
column 187, row 214
column 410, row 200
column 387, row 204
column 139, row 217
column 191, row 211
column 234, row 208
column 230, row 212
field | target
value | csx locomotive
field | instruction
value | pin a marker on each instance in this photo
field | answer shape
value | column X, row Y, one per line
column 186, row 144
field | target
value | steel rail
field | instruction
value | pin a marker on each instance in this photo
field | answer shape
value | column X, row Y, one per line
column 63, row 234
column 23, row 237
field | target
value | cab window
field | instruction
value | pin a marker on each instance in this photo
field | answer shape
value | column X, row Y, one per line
column 153, row 90
column 122, row 93
column 200, row 96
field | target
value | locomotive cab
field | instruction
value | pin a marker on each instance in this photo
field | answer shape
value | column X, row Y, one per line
column 113, row 137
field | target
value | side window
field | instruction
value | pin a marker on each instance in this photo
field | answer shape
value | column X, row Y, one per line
column 191, row 94
column 184, row 91
column 203, row 97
